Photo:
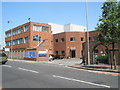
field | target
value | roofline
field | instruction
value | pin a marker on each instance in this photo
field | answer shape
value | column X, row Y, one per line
column 25, row 24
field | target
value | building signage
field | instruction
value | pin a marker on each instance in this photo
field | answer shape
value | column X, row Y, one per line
column 42, row 53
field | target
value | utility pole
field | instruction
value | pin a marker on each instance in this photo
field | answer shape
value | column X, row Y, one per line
column 88, row 48
column 10, row 22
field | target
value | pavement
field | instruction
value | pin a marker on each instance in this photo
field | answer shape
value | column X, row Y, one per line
column 75, row 63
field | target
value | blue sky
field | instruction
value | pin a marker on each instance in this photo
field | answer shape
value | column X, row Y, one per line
column 44, row 12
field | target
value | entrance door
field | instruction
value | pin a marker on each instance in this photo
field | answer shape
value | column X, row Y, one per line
column 73, row 54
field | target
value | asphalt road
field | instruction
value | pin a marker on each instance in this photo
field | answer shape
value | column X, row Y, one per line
column 45, row 75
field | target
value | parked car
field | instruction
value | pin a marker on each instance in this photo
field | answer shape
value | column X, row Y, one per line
column 59, row 56
column 3, row 58
column 51, row 57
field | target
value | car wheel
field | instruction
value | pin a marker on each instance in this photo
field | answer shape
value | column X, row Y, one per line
column 3, row 62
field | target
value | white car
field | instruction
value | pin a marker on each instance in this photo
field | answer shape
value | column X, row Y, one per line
column 3, row 58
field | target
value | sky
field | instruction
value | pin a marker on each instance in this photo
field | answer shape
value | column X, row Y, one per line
column 44, row 12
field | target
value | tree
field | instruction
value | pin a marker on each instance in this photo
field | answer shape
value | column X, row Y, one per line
column 109, row 25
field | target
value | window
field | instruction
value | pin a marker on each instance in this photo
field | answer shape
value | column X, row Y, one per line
column 37, row 28
column 26, row 28
column 56, row 40
column 63, row 52
column 8, row 34
column 72, row 39
column 82, row 39
column 13, row 42
column 36, row 38
column 19, row 30
column 26, row 40
column 20, row 41
column 56, row 52
column 90, row 38
column 7, row 43
column 62, row 39
column 45, row 29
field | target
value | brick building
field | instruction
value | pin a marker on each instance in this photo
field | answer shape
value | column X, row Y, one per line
column 28, row 35
column 68, row 40
column 97, row 49
column 69, row 44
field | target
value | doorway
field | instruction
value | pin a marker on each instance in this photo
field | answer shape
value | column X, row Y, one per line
column 73, row 55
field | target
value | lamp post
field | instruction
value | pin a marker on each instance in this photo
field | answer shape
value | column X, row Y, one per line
column 88, row 52
column 10, row 22
column 29, row 19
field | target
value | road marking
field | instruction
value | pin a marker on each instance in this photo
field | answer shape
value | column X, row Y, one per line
column 82, row 81
column 28, row 70
column 7, row 66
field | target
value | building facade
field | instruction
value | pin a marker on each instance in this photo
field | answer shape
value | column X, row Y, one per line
column 69, row 44
column 97, row 49
column 28, row 35
column 68, row 40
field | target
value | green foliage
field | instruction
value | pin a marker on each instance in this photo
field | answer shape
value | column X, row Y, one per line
column 109, row 23
column 102, row 59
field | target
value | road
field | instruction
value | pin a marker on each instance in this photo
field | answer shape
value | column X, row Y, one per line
column 45, row 75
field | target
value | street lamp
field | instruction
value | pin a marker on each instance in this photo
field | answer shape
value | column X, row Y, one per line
column 87, row 32
column 10, row 22
column 29, row 19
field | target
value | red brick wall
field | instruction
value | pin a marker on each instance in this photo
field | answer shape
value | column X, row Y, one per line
column 30, row 34
column 65, row 46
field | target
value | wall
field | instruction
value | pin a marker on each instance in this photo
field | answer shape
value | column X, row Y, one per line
column 66, row 46
column 16, row 55
column 73, row 28
column 56, row 28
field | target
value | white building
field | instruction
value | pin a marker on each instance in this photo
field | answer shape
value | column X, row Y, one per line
column 73, row 27
column 57, row 28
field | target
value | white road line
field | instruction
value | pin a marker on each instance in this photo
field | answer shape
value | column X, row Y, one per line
column 28, row 70
column 82, row 81
column 7, row 66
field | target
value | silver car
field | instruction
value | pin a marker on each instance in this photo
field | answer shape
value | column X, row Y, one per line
column 3, row 58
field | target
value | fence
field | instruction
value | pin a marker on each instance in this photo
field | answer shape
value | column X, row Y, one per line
column 20, row 55
column 15, row 55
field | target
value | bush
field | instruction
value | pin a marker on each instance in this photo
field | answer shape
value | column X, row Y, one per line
column 102, row 59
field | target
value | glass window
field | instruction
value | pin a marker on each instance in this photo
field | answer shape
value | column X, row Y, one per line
column 82, row 39
column 56, row 40
column 26, row 28
column 45, row 29
column 10, row 43
column 72, row 39
column 56, row 52
column 7, row 43
column 20, row 41
column 26, row 40
column 62, row 39
column 90, row 38
column 36, row 38
column 14, row 32
column 63, row 52
column 37, row 28
column 19, row 30
column 13, row 42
